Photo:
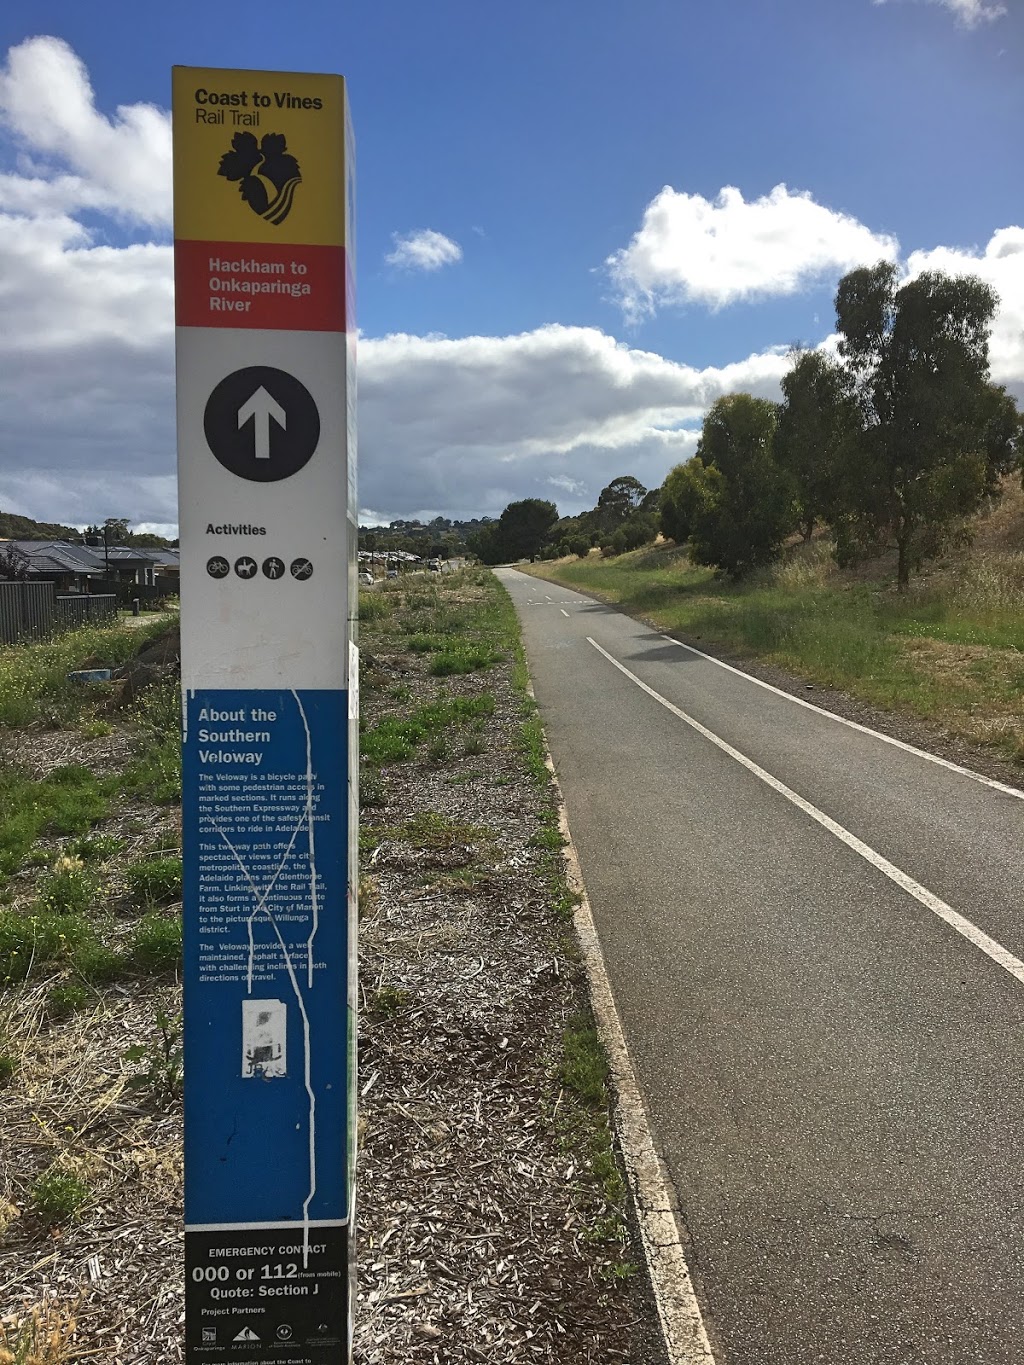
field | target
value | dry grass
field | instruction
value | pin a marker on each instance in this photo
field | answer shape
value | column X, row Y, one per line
column 43, row 1334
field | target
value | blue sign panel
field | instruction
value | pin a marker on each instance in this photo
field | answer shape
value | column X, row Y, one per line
column 268, row 1029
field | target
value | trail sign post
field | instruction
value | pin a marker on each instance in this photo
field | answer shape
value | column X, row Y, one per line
column 263, row 195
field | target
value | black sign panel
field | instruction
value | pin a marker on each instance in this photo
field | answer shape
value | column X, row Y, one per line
column 251, row 1298
column 262, row 424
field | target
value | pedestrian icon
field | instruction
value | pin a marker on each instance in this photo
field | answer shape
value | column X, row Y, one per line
column 245, row 567
column 273, row 567
column 262, row 424
column 301, row 568
column 218, row 567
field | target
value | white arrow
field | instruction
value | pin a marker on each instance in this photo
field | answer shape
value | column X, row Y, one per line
column 261, row 407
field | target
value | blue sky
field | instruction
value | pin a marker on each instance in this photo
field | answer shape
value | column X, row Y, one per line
column 632, row 208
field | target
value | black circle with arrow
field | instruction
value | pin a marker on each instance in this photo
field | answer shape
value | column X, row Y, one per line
column 262, row 424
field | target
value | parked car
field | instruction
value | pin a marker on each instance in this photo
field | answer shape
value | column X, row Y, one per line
column 366, row 577
column 434, row 566
column 392, row 573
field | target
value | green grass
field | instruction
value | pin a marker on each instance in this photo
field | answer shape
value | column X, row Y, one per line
column 34, row 682
column 70, row 889
column 395, row 739
column 157, row 881
column 428, row 830
column 68, row 801
column 156, row 943
column 839, row 630
column 58, row 1195
column 66, row 998
column 30, row 941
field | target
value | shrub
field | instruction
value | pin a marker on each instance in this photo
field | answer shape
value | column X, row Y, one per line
column 58, row 1195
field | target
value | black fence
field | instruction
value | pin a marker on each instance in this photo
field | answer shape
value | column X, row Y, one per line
column 33, row 611
column 76, row 608
column 26, row 611
column 148, row 594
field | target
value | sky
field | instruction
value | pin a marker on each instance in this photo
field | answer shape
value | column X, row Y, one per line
column 578, row 223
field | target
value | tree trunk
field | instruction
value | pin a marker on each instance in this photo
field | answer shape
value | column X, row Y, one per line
column 903, row 567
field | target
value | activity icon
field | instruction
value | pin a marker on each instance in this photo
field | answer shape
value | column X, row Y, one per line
column 266, row 173
column 246, row 567
column 273, row 567
column 218, row 567
column 301, row 568
column 262, row 424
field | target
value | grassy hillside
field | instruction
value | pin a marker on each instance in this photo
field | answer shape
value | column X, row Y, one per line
column 950, row 650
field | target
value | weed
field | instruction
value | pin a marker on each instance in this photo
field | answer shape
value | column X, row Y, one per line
column 369, row 896
column 29, row 941
column 73, row 798
column 96, row 729
column 96, row 963
column 400, row 692
column 428, row 830
column 439, row 750
column 464, row 659
column 372, row 791
column 374, row 606
column 549, row 837
column 532, row 747
column 584, row 1068
column 66, row 999
column 156, row 943
column 70, row 888
column 394, row 739
column 58, row 1194
column 163, row 1074
column 156, row 881
column 388, row 1000
column 8, row 1068
column 95, row 848
column 474, row 743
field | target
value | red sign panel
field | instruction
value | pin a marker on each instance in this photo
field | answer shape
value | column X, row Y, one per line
column 242, row 284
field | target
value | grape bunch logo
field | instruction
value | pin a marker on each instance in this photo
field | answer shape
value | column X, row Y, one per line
column 266, row 173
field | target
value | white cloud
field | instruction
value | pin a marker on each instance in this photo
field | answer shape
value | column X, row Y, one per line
column 970, row 13
column 460, row 425
column 691, row 250
column 468, row 424
column 81, row 158
column 423, row 250
column 1001, row 265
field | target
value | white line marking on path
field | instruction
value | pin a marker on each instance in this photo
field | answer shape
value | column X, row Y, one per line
column 938, row 907
column 563, row 611
column 854, row 725
column 657, row 1205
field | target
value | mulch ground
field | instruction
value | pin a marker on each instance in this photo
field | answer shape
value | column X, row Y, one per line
column 483, row 1235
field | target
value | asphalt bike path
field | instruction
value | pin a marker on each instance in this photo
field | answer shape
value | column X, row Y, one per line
column 815, row 943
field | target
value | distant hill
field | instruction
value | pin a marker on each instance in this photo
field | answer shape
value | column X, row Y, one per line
column 13, row 527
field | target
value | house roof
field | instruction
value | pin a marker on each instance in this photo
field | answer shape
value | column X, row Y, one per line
column 65, row 556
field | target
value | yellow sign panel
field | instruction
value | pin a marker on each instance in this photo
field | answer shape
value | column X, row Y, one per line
column 259, row 156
